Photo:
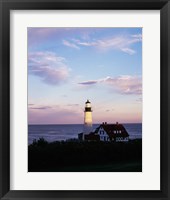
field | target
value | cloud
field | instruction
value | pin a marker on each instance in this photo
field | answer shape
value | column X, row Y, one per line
column 128, row 51
column 84, row 37
column 55, row 35
column 48, row 66
column 125, row 84
column 73, row 104
column 39, row 35
column 41, row 108
column 88, row 82
column 121, row 84
column 87, row 44
column 121, row 43
column 69, row 44
column 138, row 36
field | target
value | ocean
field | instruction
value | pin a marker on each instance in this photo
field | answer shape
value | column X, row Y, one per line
column 70, row 131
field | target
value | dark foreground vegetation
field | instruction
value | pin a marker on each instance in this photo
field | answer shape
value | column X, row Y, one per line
column 76, row 156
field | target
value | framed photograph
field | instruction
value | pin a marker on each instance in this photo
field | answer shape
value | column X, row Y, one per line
column 84, row 99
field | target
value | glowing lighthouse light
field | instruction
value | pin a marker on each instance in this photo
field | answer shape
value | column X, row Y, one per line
column 87, row 117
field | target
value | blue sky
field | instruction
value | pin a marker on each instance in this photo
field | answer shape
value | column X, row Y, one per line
column 67, row 66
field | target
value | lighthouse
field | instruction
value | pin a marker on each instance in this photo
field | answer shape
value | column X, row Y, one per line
column 87, row 118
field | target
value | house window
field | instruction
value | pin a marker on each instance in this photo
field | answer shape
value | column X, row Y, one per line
column 101, row 132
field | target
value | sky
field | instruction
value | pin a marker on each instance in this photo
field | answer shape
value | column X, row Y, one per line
column 67, row 66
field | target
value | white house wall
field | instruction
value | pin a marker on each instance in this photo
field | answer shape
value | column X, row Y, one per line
column 103, row 135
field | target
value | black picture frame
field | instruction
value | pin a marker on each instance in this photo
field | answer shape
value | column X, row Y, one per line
column 5, row 7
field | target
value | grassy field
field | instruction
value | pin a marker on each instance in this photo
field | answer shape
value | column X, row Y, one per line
column 74, row 156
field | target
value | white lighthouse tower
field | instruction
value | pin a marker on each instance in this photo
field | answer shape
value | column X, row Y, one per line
column 87, row 118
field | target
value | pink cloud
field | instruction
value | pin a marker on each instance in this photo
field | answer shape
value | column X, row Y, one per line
column 125, row 84
column 69, row 44
column 121, row 84
column 41, row 107
column 52, row 69
column 121, row 43
column 38, row 35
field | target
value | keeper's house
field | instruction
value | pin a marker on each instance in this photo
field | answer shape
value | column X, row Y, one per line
column 107, row 132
